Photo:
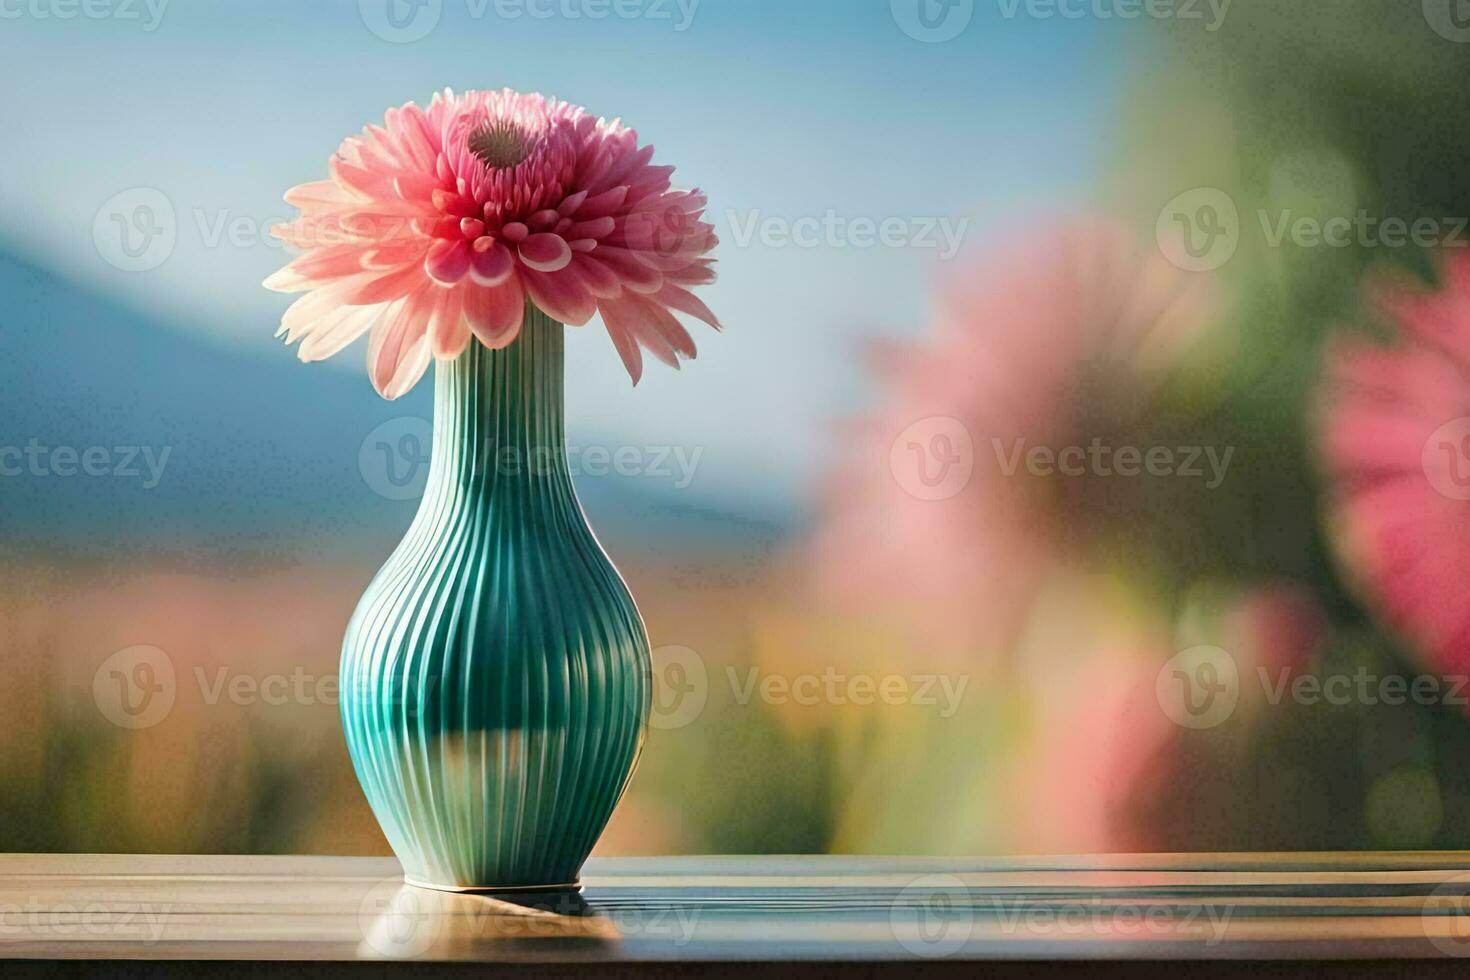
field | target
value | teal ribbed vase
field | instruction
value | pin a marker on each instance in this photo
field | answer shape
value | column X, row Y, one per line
column 496, row 674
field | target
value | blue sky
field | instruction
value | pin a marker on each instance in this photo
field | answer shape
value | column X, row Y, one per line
column 781, row 110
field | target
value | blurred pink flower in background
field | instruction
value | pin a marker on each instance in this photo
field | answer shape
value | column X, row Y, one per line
column 1395, row 439
column 1049, row 342
column 1099, row 739
column 940, row 549
column 1063, row 756
column 1276, row 626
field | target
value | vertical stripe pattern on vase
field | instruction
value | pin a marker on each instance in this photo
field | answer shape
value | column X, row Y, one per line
column 496, row 674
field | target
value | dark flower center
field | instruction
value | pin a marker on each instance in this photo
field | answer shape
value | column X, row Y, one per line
column 499, row 144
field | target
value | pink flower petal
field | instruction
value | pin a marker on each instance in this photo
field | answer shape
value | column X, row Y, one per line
column 600, row 281
column 596, row 228
column 604, row 204
column 651, row 325
column 360, row 179
column 393, row 285
column 700, row 273
column 568, row 207
column 398, row 352
column 411, row 367
column 318, row 194
column 492, row 266
column 681, row 299
column 335, row 331
column 561, row 296
column 495, row 315
column 314, row 305
column 624, row 343
column 662, row 322
column 449, row 330
column 546, row 253
column 635, row 275
column 415, row 187
column 448, row 261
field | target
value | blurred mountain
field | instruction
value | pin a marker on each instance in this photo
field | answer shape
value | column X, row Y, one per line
column 119, row 432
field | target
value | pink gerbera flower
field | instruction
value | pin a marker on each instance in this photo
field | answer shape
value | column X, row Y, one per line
column 1396, row 444
column 444, row 222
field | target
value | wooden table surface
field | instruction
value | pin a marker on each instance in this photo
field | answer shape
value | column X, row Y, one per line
column 1370, row 913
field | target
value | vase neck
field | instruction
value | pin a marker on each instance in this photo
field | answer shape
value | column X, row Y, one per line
column 499, row 415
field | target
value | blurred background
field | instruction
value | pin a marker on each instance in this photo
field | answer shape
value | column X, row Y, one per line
column 1084, row 465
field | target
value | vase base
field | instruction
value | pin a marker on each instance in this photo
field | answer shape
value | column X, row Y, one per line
column 574, row 887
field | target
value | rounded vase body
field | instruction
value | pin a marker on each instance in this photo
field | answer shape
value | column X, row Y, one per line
column 495, row 678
